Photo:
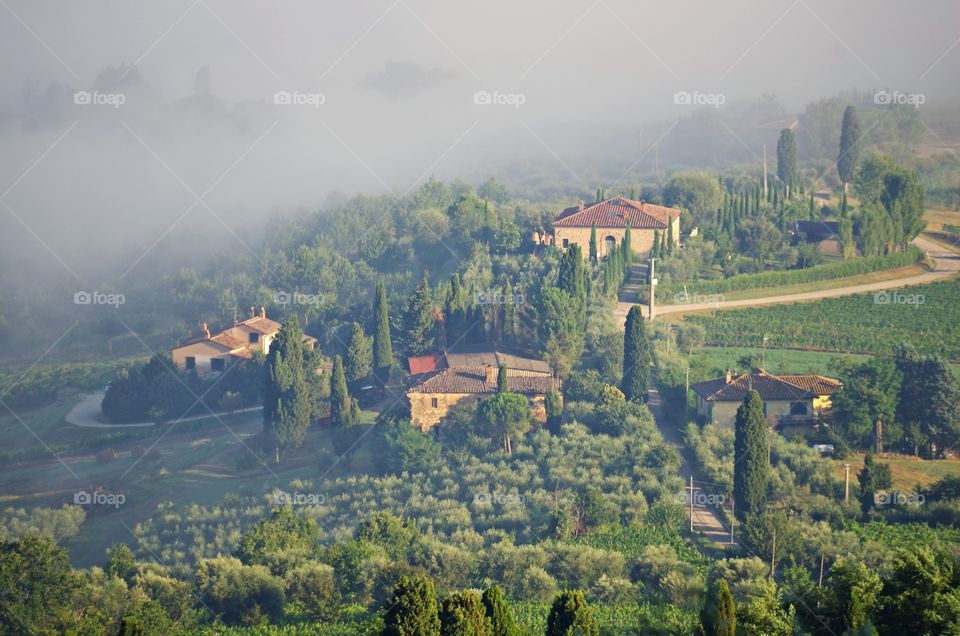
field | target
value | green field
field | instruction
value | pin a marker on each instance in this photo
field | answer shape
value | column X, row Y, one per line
column 782, row 361
column 856, row 324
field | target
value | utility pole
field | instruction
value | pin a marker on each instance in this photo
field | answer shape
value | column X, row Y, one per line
column 879, row 436
column 733, row 518
column 846, row 483
column 820, row 582
column 764, row 171
column 653, row 286
column 686, row 383
column 691, row 503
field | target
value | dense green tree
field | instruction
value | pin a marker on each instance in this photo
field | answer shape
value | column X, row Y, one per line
column 506, row 415
column 571, row 277
column 382, row 344
column 122, row 562
column 412, row 610
column 637, row 357
column 359, row 355
column 850, row 144
column 750, row 470
column 239, row 593
column 502, row 621
column 787, row 156
column 38, row 585
column 921, row 595
column 287, row 396
column 718, row 616
column 462, row 614
column 869, row 394
column 766, row 614
column 562, row 329
column 313, row 587
column 400, row 446
column 418, row 321
column 571, row 616
column 275, row 541
column 492, row 191
column 697, row 193
column 851, row 596
column 873, row 477
column 928, row 398
column 553, row 404
column 344, row 413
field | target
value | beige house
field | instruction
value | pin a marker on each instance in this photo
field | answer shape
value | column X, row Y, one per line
column 611, row 217
column 434, row 397
column 212, row 353
column 788, row 400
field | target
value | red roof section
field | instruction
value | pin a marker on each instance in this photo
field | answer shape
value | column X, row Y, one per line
column 615, row 212
column 427, row 364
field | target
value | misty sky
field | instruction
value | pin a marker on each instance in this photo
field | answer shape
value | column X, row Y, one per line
column 397, row 79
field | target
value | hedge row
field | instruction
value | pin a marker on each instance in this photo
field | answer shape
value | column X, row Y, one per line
column 761, row 280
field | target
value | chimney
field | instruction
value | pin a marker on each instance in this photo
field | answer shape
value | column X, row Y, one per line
column 581, row 205
column 263, row 312
column 729, row 376
column 252, row 312
column 490, row 374
column 206, row 330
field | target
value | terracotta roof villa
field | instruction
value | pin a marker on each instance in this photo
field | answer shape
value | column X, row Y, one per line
column 611, row 217
column 787, row 399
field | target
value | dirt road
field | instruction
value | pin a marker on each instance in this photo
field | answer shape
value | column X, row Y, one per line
column 947, row 263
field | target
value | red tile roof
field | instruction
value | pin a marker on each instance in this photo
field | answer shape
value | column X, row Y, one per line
column 427, row 364
column 615, row 212
column 262, row 325
column 770, row 387
column 473, row 380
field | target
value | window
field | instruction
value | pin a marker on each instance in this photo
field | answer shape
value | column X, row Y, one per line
column 254, row 338
column 798, row 408
column 216, row 364
column 190, row 362
column 566, row 242
column 434, row 402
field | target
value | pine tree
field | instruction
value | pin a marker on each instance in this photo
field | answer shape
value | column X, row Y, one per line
column 850, row 144
column 718, row 616
column 286, row 393
column 750, row 471
column 593, row 244
column 412, row 610
column 637, row 357
column 570, row 615
column 787, row 156
column 502, row 622
column 359, row 355
column 382, row 345
column 462, row 614
column 418, row 323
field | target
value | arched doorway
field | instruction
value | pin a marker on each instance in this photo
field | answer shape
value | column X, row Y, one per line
column 608, row 244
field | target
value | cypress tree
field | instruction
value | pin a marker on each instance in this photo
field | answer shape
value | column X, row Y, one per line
column 787, row 156
column 570, row 614
column 286, row 392
column 382, row 346
column 750, row 471
column 509, row 329
column 844, row 206
column 418, row 321
column 593, row 243
column 502, row 385
column 718, row 616
column 637, row 357
column 813, row 208
column 457, row 320
column 412, row 610
column 850, row 144
column 655, row 250
column 342, row 409
column 462, row 614
column 670, row 237
column 359, row 355
column 502, row 622
column 627, row 247
column 553, row 405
